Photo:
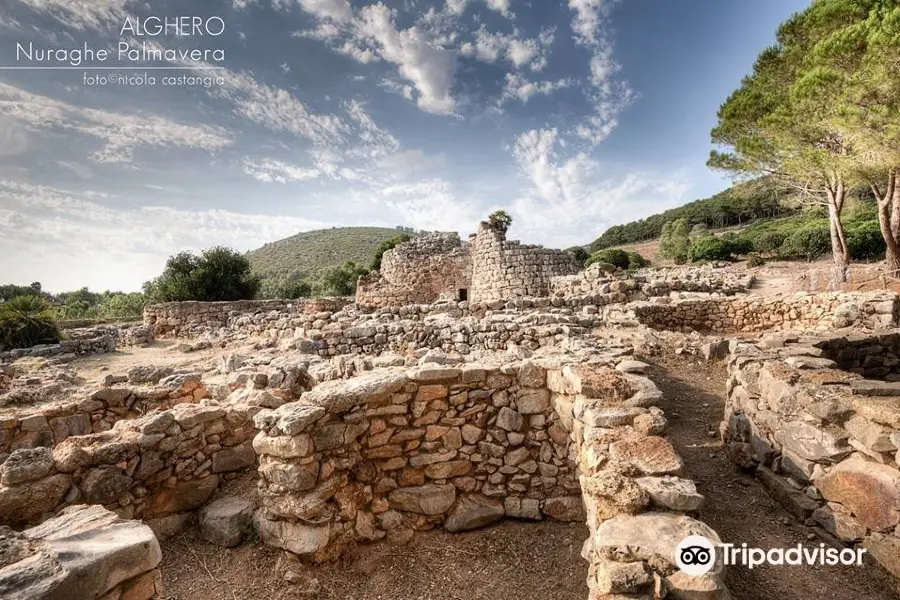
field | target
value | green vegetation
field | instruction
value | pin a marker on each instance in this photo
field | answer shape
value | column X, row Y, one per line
column 500, row 221
column 579, row 254
column 821, row 112
column 26, row 321
column 341, row 281
column 618, row 258
column 83, row 303
column 385, row 246
column 709, row 247
column 286, row 290
column 217, row 274
column 738, row 205
column 306, row 256
column 674, row 241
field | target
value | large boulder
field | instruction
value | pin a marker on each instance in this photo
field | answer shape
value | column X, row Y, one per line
column 83, row 552
column 298, row 538
column 473, row 511
column 869, row 490
column 225, row 521
column 424, row 500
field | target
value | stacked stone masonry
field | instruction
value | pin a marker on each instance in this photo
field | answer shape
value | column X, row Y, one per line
column 426, row 269
column 397, row 451
column 648, row 283
column 873, row 310
column 825, row 442
column 504, row 269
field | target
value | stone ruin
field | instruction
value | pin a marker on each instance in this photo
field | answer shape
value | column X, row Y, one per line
column 369, row 422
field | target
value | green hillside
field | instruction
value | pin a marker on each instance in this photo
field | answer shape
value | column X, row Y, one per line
column 306, row 255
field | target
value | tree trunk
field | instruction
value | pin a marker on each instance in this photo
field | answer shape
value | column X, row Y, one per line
column 840, row 253
column 889, row 221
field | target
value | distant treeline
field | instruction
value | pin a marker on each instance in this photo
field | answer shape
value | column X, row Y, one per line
column 737, row 205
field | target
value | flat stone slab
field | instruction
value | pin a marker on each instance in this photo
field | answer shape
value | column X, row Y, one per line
column 632, row 366
column 869, row 490
column 83, row 552
column 342, row 395
column 810, row 362
column 672, row 492
column 652, row 537
column 473, row 511
column 225, row 521
column 872, row 387
column 651, row 455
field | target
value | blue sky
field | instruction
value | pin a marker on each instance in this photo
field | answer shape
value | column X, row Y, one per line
column 572, row 115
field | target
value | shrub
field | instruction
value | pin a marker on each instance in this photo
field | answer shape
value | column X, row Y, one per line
column 769, row 242
column 385, row 246
column 286, row 290
column 579, row 255
column 738, row 244
column 709, row 248
column 675, row 241
column 217, row 274
column 500, row 221
column 614, row 256
column 754, row 259
column 865, row 241
column 341, row 281
column 808, row 242
column 636, row 261
column 26, row 321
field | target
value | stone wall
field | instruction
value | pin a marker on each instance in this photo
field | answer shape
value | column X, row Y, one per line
column 396, row 451
column 96, row 412
column 89, row 340
column 872, row 356
column 189, row 319
column 155, row 466
column 825, row 442
column 504, row 269
column 425, row 269
column 647, row 283
column 874, row 310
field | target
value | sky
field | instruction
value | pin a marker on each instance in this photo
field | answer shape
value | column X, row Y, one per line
column 241, row 122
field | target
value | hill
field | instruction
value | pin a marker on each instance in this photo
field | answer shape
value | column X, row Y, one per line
column 308, row 254
column 735, row 206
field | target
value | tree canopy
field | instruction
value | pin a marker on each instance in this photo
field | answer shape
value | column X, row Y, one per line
column 217, row 274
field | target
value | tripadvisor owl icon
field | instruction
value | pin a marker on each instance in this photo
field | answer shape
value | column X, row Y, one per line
column 695, row 555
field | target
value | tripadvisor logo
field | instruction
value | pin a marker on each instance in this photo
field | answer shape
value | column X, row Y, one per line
column 696, row 555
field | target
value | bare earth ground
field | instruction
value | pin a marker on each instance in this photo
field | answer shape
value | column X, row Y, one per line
column 738, row 507
column 160, row 353
column 514, row 559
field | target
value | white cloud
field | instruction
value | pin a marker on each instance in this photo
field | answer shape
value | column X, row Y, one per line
column 68, row 239
column 120, row 133
column 493, row 47
column 431, row 204
column 521, row 89
column 106, row 16
column 275, row 171
column 371, row 141
column 568, row 200
column 335, row 10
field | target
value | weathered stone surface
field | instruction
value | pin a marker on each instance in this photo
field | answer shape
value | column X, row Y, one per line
column 650, row 455
column 510, row 420
column 299, row 538
column 813, row 443
column 632, row 366
column 225, row 521
column 26, row 464
column 283, row 446
column 565, row 508
column 83, row 552
column 430, row 374
column 810, row 362
column 681, row 586
column 28, row 501
column 870, row 491
column 472, row 511
column 886, row 550
column 190, row 415
column 798, row 504
column 104, row 485
column 342, row 395
column 611, row 417
column 838, row 522
column 290, row 475
column 292, row 418
column 446, row 470
column 650, row 536
column 168, row 526
column 428, row 499
column 533, row 401
column 672, row 492
column 234, row 458
column 186, row 495
column 611, row 577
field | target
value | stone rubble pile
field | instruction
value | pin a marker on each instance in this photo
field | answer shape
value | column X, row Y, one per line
column 78, row 342
column 651, row 282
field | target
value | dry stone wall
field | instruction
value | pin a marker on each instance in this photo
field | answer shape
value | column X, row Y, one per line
column 504, row 269
column 189, row 319
column 155, row 466
column 647, row 283
column 425, row 269
column 825, row 442
column 396, row 451
column 874, row 310
column 89, row 340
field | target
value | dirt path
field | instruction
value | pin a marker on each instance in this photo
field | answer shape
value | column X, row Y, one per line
column 738, row 507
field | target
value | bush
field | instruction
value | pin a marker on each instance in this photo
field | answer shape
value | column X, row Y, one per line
column 341, row 281
column 26, row 321
column 809, row 242
column 709, row 248
column 614, row 256
column 385, row 246
column 285, row 290
column 738, row 244
column 636, row 261
column 865, row 241
column 754, row 259
column 217, row 274
column 500, row 221
column 769, row 242
column 579, row 255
